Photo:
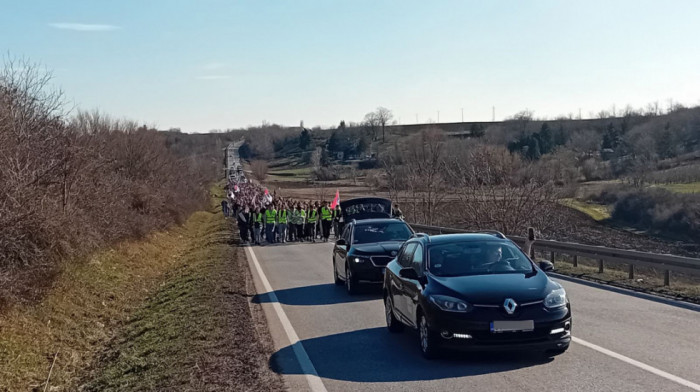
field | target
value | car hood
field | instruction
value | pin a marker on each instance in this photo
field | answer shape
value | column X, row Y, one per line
column 377, row 248
column 494, row 289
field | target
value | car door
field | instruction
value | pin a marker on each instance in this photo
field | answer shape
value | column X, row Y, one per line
column 341, row 252
column 412, row 288
column 401, row 297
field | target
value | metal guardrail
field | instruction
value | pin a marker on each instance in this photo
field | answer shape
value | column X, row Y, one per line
column 665, row 262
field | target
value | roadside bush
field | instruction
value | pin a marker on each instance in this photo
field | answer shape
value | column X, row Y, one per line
column 660, row 210
column 73, row 184
column 326, row 174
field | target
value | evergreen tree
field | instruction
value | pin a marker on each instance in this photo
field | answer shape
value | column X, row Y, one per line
column 304, row 139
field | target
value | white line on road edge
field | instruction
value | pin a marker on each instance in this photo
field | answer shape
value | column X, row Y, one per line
column 638, row 364
column 315, row 382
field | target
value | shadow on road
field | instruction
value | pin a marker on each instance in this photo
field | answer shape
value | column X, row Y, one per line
column 321, row 294
column 375, row 355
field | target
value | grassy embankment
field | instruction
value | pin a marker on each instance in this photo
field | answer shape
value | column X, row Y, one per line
column 167, row 313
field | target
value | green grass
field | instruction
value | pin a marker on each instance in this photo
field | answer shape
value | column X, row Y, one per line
column 691, row 187
column 596, row 211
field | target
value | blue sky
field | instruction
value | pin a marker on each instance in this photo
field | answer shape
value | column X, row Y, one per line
column 202, row 65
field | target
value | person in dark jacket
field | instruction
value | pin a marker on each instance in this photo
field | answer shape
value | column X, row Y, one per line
column 243, row 218
column 224, row 207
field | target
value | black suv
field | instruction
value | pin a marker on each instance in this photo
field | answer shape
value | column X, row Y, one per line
column 369, row 241
column 475, row 291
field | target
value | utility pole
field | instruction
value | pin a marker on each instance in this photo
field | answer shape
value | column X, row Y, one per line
column 462, row 114
column 493, row 114
column 579, row 113
column 438, row 117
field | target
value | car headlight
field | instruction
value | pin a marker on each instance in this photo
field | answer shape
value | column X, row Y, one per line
column 449, row 304
column 359, row 259
column 555, row 299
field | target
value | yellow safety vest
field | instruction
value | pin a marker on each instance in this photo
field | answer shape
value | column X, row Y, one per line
column 326, row 214
column 282, row 216
column 270, row 216
column 313, row 216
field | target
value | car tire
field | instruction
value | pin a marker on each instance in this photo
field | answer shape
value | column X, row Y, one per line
column 428, row 339
column 336, row 278
column 392, row 323
column 350, row 282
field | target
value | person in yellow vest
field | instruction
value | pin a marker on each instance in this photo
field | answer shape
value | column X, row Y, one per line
column 257, row 225
column 326, row 221
column 311, row 223
column 270, row 218
column 282, row 219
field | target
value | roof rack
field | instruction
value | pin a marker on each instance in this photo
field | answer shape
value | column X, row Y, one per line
column 494, row 233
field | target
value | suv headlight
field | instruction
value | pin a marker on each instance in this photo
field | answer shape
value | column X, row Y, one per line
column 449, row 304
column 359, row 259
column 555, row 299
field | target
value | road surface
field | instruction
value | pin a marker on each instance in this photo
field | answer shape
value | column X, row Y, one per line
column 622, row 343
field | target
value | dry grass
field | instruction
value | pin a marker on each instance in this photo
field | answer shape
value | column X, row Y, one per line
column 88, row 301
column 149, row 299
column 596, row 211
column 647, row 280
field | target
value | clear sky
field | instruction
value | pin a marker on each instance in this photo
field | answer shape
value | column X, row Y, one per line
column 205, row 64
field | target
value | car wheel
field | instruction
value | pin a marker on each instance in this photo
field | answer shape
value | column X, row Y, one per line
column 428, row 339
column 392, row 323
column 350, row 282
column 338, row 281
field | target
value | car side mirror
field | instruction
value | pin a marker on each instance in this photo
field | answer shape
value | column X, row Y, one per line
column 408, row 273
column 341, row 242
column 546, row 266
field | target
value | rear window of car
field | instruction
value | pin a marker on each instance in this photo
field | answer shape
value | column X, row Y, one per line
column 476, row 258
column 380, row 232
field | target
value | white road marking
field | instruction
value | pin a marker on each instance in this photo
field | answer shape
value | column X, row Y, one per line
column 315, row 382
column 638, row 364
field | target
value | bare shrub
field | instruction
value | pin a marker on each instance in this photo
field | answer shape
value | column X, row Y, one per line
column 259, row 169
column 71, row 185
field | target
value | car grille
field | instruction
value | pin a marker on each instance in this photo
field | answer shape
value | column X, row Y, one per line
column 381, row 261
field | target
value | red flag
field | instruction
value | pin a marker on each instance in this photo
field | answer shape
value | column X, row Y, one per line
column 336, row 201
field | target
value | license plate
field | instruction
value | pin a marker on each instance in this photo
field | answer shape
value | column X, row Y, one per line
column 512, row 326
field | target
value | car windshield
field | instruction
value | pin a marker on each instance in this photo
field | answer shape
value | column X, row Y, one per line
column 476, row 258
column 379, row 232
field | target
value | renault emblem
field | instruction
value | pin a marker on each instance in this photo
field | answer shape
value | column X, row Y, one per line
column 509, row 305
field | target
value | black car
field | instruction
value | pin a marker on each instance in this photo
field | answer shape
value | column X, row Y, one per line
column 475, row 291
column 365, row 247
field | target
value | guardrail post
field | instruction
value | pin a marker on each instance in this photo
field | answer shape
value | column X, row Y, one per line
column 631, row 275
column 600, row 266
column 575, row 260
column 551, row 257
column 529, row 241
column 667, row 278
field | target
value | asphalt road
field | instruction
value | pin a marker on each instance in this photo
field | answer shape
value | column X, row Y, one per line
column 351, row 350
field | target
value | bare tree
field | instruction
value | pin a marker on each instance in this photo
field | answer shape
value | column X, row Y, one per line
column 372, row 122
column 492, row 197
column 259, row 169
column 383, row 117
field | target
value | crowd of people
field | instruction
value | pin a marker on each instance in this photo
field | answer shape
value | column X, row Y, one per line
column 263, row 217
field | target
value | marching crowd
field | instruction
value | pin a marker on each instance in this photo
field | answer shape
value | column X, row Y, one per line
column 261, row 215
